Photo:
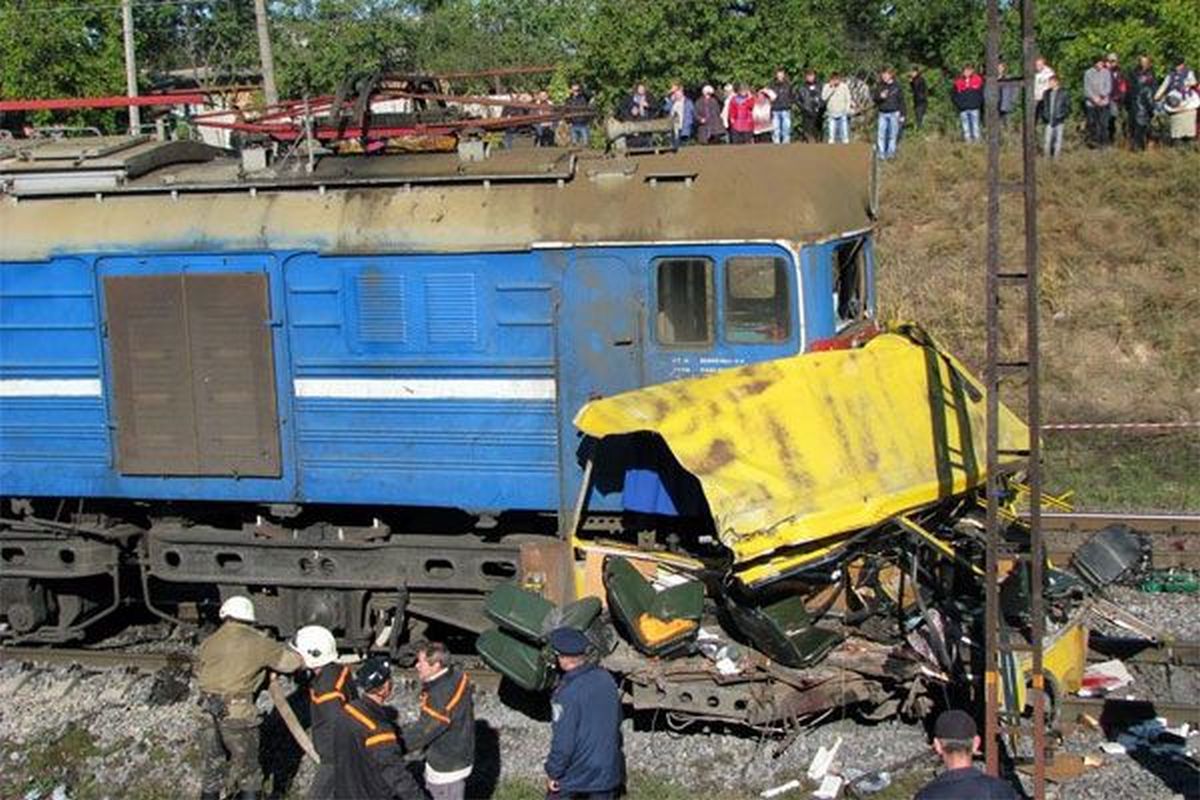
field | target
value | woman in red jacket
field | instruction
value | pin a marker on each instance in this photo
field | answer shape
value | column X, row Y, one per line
column 741, row 116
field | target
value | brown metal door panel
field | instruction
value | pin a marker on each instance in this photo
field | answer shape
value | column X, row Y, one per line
column 233, row 371
column 156, row 424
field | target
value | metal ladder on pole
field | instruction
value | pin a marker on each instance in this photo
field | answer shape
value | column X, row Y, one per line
column 1004, row 646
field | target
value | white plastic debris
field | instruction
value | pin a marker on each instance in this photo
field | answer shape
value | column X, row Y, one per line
column 1183, row 730
column 727, row 666
column 775, row 791
column 829, row 788
column 873, row 782
column 823, row 760
column 1113, row 748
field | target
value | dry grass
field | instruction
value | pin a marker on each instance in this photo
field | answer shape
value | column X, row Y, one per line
column 1120, row 302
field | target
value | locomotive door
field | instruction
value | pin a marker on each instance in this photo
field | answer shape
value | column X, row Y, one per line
column 193, row 375
column 599, row 325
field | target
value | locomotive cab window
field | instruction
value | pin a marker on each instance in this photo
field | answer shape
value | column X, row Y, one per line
column 850, row 282
column 684, row 309
column 756, row 300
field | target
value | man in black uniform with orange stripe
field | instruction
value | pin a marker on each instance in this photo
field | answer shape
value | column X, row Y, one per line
column 445, row 729
column 368, row 762
column 327, row 691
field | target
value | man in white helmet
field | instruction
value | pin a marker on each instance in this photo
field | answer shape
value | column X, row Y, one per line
column 230, row 667
column 329, row 689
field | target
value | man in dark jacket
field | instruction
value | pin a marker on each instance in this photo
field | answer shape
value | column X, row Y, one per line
column 368, row 761
column 920, row 95
column 579, row 105
column 1120, row 90
column 1009, row 95
column 638, row 106
column 889, row 103
column 585, row 761
column 956, row 740
column 1053, row 110
column 709, row 128
column 445, row 726
column 781, row 108
column 1140, row 99
column 811, row 105
column 968, row 99
column 327, row 691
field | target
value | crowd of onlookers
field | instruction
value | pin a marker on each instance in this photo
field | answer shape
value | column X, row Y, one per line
column 1117, row 105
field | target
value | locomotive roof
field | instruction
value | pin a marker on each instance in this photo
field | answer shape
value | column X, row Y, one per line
column 118, row 194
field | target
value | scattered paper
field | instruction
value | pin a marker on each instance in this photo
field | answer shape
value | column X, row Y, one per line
column 1113, row 748
column 1105, row 678
column 829, row 788
column 774, row 791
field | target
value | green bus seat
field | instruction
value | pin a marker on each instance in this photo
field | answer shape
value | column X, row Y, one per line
column 784, row 631
column 524, row 664
column 532, row 616
column 657, row 623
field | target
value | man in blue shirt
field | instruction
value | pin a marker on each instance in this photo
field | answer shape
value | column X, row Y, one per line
column 585, row 761
column 956, row 740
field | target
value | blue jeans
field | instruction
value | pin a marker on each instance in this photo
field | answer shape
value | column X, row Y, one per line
column 839, row 129
column 580, row 134
column 970, row 124
column 889, row 133
column 781, row 132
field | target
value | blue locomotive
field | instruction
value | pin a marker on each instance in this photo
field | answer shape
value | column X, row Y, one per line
column 348, row 388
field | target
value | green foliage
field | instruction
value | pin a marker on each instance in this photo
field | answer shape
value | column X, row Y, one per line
column 1073, row 33
column 702, row 41
column 55, row 51
column 471, row 35
column 319, row 44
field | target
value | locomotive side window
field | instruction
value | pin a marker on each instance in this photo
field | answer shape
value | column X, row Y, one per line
column 850, row 282
column 756, row 300
column 684, row 311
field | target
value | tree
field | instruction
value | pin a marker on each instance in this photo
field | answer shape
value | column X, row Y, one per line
column 54, row 51
column 319, row 44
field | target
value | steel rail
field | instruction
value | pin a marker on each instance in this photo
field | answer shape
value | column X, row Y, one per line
column 1160, row 557
column 1178, row 653
column 1152, row 522
column 481, row 676
column 1071, row 707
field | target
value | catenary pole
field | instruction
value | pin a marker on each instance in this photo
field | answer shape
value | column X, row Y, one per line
column 131, row 90
column 270, row 94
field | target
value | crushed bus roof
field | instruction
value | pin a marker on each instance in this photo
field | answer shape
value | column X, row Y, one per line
column 794, row 453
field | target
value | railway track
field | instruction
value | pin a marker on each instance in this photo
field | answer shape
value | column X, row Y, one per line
column 1071, row 707
column 1090, row 521
column 1170, row 535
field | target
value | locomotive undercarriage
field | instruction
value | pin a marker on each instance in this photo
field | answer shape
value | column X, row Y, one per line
column 64, row 573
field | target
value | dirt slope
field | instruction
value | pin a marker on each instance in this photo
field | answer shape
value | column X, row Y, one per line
column 1120, row 247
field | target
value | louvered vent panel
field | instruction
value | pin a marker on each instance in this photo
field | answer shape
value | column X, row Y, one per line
column 451, row 309
column 381, row 316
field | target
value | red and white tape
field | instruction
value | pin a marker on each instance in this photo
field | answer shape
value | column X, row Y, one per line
column 1117, row 426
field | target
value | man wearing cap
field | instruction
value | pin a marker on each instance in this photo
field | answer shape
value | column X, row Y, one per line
column 230, row 668
column 445, row 726
column 368, row 763
column 327, row 691
column 585, row 761
column 956, row 740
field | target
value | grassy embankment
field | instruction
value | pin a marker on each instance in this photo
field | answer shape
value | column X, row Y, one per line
column 1120, row 247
